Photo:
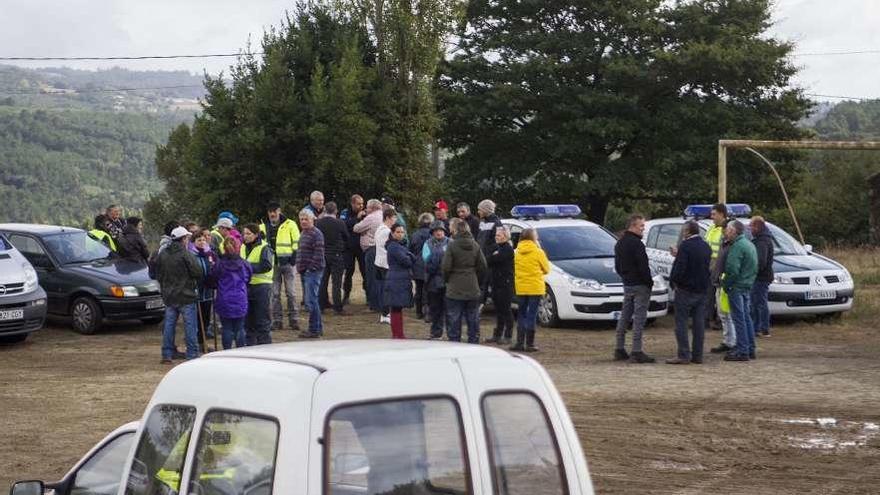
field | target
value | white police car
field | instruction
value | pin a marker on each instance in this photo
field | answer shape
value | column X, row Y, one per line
column 806, row 283
column 582, row 284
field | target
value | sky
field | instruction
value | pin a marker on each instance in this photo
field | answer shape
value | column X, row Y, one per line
column 59, row 28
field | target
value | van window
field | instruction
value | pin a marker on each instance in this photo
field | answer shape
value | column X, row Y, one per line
column 404, row 447
column 670, row 235
column 161, row 451
column 235, row 455
column 523, row 449
column 100, row 474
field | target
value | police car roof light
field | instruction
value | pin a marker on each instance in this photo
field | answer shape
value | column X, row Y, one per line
column 545, row 211
column 703, row 211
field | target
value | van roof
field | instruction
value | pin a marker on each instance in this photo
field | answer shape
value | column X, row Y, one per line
column 326, row 355
column 36, row 228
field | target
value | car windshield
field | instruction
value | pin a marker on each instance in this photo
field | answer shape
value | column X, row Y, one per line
column 783, row 242
column 576, row 242
column 75, row 247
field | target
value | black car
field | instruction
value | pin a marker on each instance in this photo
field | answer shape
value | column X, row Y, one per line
column 83, row 279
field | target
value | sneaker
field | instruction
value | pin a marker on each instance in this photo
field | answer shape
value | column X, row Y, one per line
column 765, row 333
column 621, row 355
column 696, row 361
column 531, row 348
column 736, row 357
column 178, row 355
column 721, row 349
column 309, row 335
column 641, row 358
column 166, row 361
column 678, row 361
column 385, row 319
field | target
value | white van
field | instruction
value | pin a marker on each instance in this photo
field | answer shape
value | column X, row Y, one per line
column 22, row 300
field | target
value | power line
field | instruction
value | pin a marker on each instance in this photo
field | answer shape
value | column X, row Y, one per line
column 837, row 97
column 834, row 53
column 145, row 57
column 63, row 92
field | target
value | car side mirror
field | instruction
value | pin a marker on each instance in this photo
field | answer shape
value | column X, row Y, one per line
column 808, row 247
column 32, row 487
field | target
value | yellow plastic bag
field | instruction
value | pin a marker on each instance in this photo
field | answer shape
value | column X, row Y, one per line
column 723, row 301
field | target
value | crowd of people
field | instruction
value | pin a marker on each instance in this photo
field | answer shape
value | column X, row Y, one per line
column 724, row 275
column 232, row 280
column 231, row 277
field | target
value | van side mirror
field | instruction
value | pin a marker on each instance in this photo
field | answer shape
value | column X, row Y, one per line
column 808, row 247
column 32, row 487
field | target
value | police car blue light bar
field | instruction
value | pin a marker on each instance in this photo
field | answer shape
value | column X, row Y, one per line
column 545, row 211
column 703, row 211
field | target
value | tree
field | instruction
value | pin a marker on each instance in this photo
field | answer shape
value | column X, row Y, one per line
column 604, row 101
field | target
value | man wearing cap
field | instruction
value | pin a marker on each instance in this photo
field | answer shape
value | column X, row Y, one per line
column 282, row 234
column 441, row 213
column 219, row 233
column 178, row 273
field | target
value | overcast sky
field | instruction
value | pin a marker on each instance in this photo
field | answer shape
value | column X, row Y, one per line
column 41, row 28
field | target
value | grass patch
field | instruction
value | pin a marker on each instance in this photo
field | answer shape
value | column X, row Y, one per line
column 863, row 263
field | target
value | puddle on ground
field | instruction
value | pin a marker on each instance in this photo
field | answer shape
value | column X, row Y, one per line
column 829, row 434
column 676, row 466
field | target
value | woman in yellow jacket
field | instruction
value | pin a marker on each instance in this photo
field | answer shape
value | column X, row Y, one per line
column 530, row 266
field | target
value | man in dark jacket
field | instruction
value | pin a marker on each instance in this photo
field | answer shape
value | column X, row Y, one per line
column 463, row 266
column 485, row 237
column 500, row 262
column 416, row 243
column 763, row 241
column 354, row 254
column 132, row 245
column 463, row 211
column 336, row 243
column 310, row 266
column 433, row 252
column 690, row 277
column 631, row 263
column 178, row 273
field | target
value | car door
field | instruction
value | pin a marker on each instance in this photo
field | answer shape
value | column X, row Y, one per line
column 47, row 271
column 661, row 238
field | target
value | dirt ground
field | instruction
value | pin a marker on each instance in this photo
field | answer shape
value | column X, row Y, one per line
column 802, row 419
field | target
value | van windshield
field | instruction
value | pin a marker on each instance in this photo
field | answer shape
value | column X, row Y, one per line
column 75, row 247
column 4, row 244
column 576, row 242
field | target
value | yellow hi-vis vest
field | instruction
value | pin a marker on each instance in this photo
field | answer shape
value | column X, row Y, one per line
column 287, row 238
column 104, row 237
column 254, row 259
column 714, row 237
column 219, row 238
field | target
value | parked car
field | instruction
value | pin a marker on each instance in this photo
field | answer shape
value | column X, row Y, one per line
column 83, row 279
column 582, row 284
column 805, row 283
column 22, row 300
column 354, row 417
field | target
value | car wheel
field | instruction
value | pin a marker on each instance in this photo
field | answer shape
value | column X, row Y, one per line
column 13, row 339
column 155, row 320
column 85, row 315
column 548, row 315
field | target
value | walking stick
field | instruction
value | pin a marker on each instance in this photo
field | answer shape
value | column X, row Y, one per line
column 202, row 327
column 214, row 315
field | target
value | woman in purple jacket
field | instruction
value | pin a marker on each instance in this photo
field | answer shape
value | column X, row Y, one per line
column 231, row 276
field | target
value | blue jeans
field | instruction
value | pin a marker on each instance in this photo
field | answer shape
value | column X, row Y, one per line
column 742, row 321
column 233, row 331
column 258, row 323
column 312, row 281
column 370, row 278
column 690, row 305
column 469, row 310
column 528, row 313
column 190, row 329
column 760, row 311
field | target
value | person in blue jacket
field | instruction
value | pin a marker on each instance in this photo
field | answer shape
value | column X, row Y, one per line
column 398, row 281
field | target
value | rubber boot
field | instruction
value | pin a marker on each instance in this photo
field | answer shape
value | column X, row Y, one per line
column 530, row 341
column 520, row 336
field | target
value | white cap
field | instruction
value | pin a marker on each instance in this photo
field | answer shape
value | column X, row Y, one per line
column 223, row 222
column 179, row 233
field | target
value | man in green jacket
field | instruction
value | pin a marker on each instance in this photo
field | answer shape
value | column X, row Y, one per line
column 178, row 272
column 740, row 270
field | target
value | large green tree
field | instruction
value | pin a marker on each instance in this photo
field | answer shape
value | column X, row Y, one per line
column 613, row 100
column 341, row 100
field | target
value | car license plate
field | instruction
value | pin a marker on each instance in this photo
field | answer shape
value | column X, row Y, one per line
column 819, row 295
column 155, row 304
column 615, row 315
column 12, row 314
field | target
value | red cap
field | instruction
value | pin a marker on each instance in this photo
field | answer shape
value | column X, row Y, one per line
column 441, row 205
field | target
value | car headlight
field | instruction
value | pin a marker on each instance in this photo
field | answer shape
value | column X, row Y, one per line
column 580, row 283
column 30, row 277
column 123, row 291
column 779, row 279
column 845, row 276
